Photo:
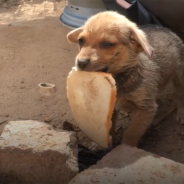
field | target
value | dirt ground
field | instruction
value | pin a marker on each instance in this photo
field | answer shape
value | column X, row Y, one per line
column 34, row 49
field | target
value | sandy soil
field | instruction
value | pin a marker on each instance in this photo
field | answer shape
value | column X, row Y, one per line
column 34, row 49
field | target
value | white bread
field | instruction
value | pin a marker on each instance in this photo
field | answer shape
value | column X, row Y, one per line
column 92, row 97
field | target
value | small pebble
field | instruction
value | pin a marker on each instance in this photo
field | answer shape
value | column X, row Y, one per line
column 47, row 120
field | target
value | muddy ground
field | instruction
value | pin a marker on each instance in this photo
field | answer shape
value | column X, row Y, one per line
column 34, row 49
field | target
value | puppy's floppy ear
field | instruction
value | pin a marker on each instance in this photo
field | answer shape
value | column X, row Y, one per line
column 73, row 35
column 139, row 40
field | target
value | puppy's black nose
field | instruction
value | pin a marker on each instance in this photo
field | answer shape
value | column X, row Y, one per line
column 82, row 63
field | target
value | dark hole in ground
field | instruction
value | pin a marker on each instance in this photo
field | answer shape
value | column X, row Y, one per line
column 45, row 85
column 87, row 158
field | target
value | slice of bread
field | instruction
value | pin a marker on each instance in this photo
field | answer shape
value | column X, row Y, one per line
column 92, row 97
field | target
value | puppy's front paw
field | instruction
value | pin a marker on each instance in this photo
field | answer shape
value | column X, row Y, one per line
column 129, row 140
column 95, row 147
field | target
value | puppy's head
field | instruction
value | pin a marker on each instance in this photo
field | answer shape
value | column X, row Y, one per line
column 108, row 42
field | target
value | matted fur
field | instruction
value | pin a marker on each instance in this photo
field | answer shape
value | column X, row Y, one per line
column 142, row 61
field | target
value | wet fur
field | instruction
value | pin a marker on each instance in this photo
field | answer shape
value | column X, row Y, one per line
column 142, row 61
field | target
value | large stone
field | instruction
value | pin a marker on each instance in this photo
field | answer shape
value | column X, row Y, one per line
column 33, row 152
column 127, row 165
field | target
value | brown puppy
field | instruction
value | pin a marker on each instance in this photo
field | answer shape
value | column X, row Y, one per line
column 141, row 61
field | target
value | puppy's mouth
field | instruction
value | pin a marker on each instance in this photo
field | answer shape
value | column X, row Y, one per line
column 104, row 69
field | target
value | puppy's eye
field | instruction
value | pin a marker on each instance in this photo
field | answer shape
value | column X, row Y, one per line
column 81, row 41
column 107, row 44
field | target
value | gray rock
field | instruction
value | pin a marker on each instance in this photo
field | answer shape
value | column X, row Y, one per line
column 33, row 152
column 127, row 165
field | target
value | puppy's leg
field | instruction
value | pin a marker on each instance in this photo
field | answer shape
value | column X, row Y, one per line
column 179, row 100
column 114, row 122
column 114, row 125
column 140, row 122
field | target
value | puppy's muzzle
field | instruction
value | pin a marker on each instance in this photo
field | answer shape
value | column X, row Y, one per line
column 82, row 63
